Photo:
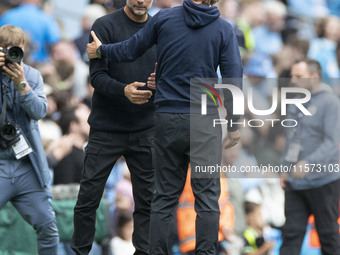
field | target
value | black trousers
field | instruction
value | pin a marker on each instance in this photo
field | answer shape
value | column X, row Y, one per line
column 180, row 139
column 323, row 202
column 102, row 152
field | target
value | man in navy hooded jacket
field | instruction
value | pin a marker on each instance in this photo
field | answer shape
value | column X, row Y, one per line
column 192, row 42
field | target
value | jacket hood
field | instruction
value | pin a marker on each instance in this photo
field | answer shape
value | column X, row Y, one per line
column 199, row 15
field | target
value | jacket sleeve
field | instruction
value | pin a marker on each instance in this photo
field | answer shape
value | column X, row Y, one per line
column 34, row 102
column 231, row 68
column 330, row 143
column 136, row 46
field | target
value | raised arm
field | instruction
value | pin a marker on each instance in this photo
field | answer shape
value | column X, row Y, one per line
column 99, row 72
column 128, row 50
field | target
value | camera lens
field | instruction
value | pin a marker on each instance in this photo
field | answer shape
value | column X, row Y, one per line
column 15, row 54
column 8, row 132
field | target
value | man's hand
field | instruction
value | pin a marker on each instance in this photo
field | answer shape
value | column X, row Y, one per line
column 300, row 169
column 233, row 139
column 152, row 79
column 93, row 46
column 137, row 96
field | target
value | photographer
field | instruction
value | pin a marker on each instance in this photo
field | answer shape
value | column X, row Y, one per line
column 24, row 174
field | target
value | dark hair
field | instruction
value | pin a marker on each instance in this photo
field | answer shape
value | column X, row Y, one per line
column 67, row 116
column 312, row 65
column 209, row 2
column 250, row 207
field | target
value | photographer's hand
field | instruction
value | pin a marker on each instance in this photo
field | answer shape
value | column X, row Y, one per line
column 16, row 73
column 2, row 58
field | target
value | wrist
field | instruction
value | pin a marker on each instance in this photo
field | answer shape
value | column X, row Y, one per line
column 21, row 85
column 99, row 52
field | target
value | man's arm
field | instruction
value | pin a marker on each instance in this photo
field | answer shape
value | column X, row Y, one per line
column 34, row 101
column 330, row 143
column 231, row 68
column 105, row 84
column 32, row 97
column 128, row 50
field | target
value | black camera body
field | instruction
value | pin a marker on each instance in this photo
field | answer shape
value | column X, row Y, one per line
column 8, row 135
column 14, row 54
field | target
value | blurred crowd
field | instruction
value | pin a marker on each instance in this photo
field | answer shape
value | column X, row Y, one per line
column 272, row 35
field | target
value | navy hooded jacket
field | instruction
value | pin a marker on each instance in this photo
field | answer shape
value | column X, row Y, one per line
column 192, row 41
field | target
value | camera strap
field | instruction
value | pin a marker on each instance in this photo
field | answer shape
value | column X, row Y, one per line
column 4, row 105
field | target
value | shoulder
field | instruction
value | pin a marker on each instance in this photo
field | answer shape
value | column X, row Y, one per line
column 225, row 25
column 169, row 12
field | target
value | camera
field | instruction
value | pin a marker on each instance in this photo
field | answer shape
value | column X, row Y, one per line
column 14, row 54
column 8, row 135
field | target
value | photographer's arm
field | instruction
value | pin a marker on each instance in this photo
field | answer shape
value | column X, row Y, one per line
column 32, row 97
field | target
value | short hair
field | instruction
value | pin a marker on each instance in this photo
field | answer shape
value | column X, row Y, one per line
column 11, row 36
column 312, row 65
column 209, row 2
column 250, row 207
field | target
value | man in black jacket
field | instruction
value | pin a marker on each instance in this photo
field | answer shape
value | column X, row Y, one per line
column 122, row 124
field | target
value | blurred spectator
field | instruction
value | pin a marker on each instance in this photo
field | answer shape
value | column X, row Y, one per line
column 66, row 156
column 252, row 15
column 293, row 50
column 334, row 7
column 323, row 49
column 8, row 4
column 255, row 244
column 308, row 8
column 270, row 152
column 258, row 70
column 229, row 11
column 91, row 13
column 124, row 195
column 159, row 4
column 270, row 31
column 49, row 129
column 109, row 5
column 42, row 29
column 69, row 14
column 65, row 53
column 122, row 243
